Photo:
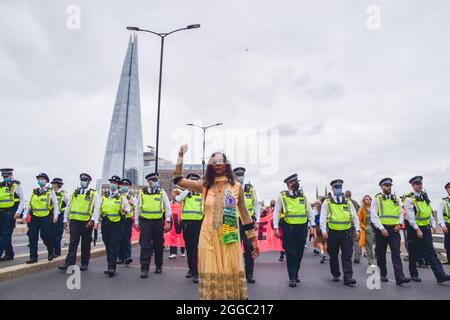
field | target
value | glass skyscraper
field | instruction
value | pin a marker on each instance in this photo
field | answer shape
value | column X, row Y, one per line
column 124, row 154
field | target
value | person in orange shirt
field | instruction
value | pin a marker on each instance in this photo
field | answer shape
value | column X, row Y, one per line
column 367, row 235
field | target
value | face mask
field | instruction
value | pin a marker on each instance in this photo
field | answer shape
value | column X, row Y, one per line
column 42, row 183
column 7, row 179
column 113, row 187
column 240, row 179
column 154, row 184
column 338, row 191
column 124, row 189
column 83, row 184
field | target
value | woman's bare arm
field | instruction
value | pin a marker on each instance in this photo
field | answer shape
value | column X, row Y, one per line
column 195, row 186
column 192, row 185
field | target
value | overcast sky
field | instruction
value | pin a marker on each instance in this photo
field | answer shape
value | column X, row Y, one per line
column 349, row 102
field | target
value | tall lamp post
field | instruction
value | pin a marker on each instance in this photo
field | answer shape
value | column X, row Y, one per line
column 162, row 35
column 204, row 136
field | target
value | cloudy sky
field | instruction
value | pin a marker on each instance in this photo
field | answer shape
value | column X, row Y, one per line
column 349, row 101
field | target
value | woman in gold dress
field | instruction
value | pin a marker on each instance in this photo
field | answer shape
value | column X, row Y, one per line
column 220, row 262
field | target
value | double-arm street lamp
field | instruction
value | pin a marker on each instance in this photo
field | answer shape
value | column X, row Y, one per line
column 204, row 135
column 162, row 35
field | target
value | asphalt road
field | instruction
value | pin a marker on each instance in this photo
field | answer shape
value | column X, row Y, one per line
column 22, row 251
column 271, row 283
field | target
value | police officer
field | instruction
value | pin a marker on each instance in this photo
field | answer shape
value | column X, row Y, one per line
column 127, row 225
column 114, row 205
column 444, row 220
column 43, row 203
column 58, row 227
column 251, row 202
column 151, row 210
column 387, row 217
column 336, row 218
column 420, row 226
column 12, row 203
column 294, row 204
column 83, row 213
column 192, row 218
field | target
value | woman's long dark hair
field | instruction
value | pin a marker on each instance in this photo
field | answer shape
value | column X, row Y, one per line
column 210, row 175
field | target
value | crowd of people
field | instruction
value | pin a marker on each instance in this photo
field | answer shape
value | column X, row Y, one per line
column 220, row 219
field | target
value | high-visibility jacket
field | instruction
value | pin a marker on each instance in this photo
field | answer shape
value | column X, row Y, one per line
column 192, row 207
column 250, row 198
column 40, row 203
column 340, row 215
column 388, row 210
column 446, row 209
column 111, row 208
column 61, row 203
column 295, row 209
column 151, row 205
column 422, row 209
column 8, row 195
column 129, row 215
column 82, row 205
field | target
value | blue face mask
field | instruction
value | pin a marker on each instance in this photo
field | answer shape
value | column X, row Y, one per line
column 338, row 191
column 7, row 179
column 240, row 179
column 83, row 184
column 124, row 189
column 113, row 187
column 154, row 184
column 41, row 183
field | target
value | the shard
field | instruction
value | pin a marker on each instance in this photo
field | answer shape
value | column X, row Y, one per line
column 124, row 154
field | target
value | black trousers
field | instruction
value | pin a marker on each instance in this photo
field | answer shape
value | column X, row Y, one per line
column 7, row 225
column 341, row 240
column 423, row 248
column 111, row 232
column 294, row 239
column 125, row 239
column 151, row 239
column 57, row 230
column 447, row 243
column 381, row 242
column 191, row 235
column 42, row 225
column 78, row 230
column 248, row 249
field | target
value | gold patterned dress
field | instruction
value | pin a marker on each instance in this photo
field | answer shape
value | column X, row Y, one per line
column 220, row 265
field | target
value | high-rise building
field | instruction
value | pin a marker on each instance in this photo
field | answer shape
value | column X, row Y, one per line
column 124, row 148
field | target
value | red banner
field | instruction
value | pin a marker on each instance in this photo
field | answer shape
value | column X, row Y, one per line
column 174, row 238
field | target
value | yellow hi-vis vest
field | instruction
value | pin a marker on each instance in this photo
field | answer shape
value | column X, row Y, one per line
column 295, row 209
column 340, row 215
column 40, row 204
column 111, row 208
column 250, row 200
column 192, row 207
column 8, row 195
column 388, row 210
column 446, row 209
column 423, row 211
column 151, row 205
column 129, row 215
column 82, row 205
column 61, row 203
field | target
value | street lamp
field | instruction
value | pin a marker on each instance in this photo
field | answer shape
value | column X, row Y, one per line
column 162, row 35
column 204, row 136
